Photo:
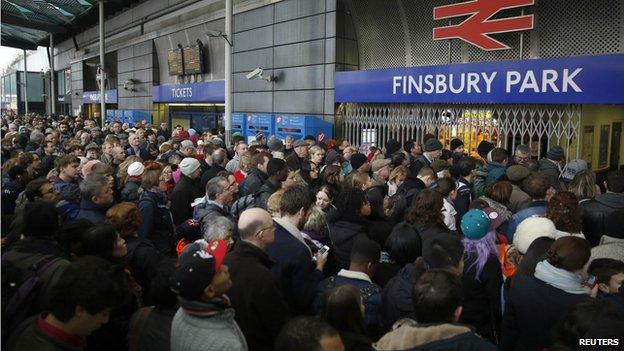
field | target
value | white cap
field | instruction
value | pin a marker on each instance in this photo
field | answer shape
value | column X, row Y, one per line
column 188, row 166
column 136, row 169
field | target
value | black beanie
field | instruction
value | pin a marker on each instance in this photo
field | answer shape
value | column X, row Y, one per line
column 40, row 219
column 392, row 146
column 455, row 143
column 484, row 148
column 357, row 160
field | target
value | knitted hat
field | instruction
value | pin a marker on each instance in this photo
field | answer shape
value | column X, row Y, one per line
column 484, row 148
column 276, row 145
column 531, row 229
column 357, row 160
column 433, row 144
column 517, row 173
column 475, row 224
column 573, row 167
column 455, row 143
column 186, row 143
column 555, row 153
column 379, row 164
column 136, row 169
column 188, row 166
column 392, row 146
column 196, row 268
column 440, row 165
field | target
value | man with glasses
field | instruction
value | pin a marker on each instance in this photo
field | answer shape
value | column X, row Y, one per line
column 260, row 308
column 219, row 197
column 521, row 155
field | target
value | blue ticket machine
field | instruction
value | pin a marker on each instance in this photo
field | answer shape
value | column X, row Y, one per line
column 259, row 124
column 238, row 123
column 300, row 126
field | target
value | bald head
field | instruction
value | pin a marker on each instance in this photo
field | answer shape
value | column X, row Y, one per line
column 252, row 221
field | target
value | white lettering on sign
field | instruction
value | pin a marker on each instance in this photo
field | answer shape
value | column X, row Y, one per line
column 536, row 81
column 182, row 92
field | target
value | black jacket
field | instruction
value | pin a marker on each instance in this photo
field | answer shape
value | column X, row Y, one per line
column 266, row 190
column 130, row 191
column 396, row 297
column 463, row 199
column 252, row 183
column 92, row 211
column 482, row 298
column 355, row 342
column 603, row 216
column 142, row 259
column 184, row 193
column 343, row 234
column 261, row 310
column 209, row 174
column 418, row 163
column 294, row 162
column 532, row 310
column 156, row 221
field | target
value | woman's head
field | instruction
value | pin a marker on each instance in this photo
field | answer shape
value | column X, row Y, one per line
column 403, row 244
column 125, row 218
column 570, row 253
column 152, row 176
column 537, row 252
column 426, row 209
column 583, row 185
column 360, row 180
column 317, row 154
column 352, row 204
column 564, row 210
column 398, row 175
column 343, row 308
column 316, row 220
column 332, row 175
column 499, row 191
column 324, row 197
column 102, row 240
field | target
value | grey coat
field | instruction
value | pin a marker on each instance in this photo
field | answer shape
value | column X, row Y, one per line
column 519, row 200
column 199, row 333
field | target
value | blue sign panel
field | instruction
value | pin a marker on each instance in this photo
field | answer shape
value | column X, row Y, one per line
column 194, row 92
column 93, row 97
column 577, row 80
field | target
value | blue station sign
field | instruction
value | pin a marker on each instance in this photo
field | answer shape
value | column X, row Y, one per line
column 568, row 80
column 194, row 92
column 93, row 97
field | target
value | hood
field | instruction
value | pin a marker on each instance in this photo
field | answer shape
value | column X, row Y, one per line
column 612, row 200
column 408, row 334
column 343, row 231
column 609, row 240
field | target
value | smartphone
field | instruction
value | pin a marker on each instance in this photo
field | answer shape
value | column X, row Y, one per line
column 590, row 282
column 323, row 249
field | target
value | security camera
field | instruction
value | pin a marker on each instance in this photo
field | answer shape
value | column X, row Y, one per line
column 129, row 85
column 256, row 73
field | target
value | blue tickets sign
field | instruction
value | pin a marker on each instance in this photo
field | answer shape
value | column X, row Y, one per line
column 93, row 97
column 194, row 92
column 567, row 80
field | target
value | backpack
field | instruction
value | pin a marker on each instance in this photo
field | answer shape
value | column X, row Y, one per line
column 20, row 292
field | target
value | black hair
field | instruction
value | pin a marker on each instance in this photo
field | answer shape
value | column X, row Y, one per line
column 615, row 181
column 340, row 307
column 436, row 296
column 605, row 268
column 466, row 165
column 376, row 199
column 70, row 235
column 536, row 185
column 537, row 252
column 364, row 251
column 349, row 202
column 408, row 145
column 310, row 137
column 159, row 293
column 40, row 219
column 397, row 159
column 294, row 199
column 445, row 186
column 446, row 154
column 33, row 188
column 98, row 240
column 91, row 283
column 399, row 206
column 16, row 171
column 443, row 251
column 303, row 333
column 499, row 155
column 275, row 166
column 403, row 244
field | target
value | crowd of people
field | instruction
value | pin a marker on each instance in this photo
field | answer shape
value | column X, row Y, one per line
column 138, row 237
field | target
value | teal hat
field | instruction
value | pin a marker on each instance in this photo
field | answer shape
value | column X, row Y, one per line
column 475, row 224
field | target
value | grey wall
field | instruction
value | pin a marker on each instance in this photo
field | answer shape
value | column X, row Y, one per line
column 294, row 40
column 136, row 62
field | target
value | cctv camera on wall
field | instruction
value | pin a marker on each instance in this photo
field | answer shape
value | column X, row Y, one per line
column 257, row 74
column 129, row 85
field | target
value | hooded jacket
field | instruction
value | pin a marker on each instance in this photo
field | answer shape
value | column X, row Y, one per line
column 408, row 335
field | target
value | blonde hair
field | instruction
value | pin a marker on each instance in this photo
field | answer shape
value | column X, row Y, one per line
column 396, row 172
column 316, row 220
column 273, row 203
column 314, row 149
column 359, row 179
column 583, row 185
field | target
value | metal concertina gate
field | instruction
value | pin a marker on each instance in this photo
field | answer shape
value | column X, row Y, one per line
column 506, row 126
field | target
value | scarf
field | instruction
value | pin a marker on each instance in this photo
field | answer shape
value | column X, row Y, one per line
column 208, row 308
column 560, row 278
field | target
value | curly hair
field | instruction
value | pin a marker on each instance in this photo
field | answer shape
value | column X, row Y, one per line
column 125, row 218
column 564, row 210
column 427, row 209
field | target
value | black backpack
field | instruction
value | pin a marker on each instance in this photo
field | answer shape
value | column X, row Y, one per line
column 20, row 292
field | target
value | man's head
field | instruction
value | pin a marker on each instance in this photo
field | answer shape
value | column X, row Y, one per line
column 187, row 148
column 381, row 169
column 190, row 168
column 609, row 274
column 522, row 154
column 201, row 274
column 18, row 175
column 241, row 148
column 306, row 333
column 277, row 169
column 360, row 163
column 260, row 161
column 427, row 175
column 433, row 149
column 556, row 154
column 536, row 185
column 133, row 140
column 67, row 167
column 365, row 255
column 499, row 155
column 457, row 146
column 615, row 181
column 48, row 147
column 255, row 225
column 466, row 167
column 411, row 147
column 41, row 189
column 446, row 252
column 301, row 148
column 163, row 125
column 85, row 293
column 98, row 189
column 437, row 296
column 219, row 157
column 63, row 127
column 220, row 190
column 295, row 204
column 117, row 127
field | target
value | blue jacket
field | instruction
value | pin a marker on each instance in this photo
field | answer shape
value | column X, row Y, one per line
column 92, row 211
column 371, row 295
column 295, row 270
column 143, row 153
column 10, row 191
column 536, row 208
column 495, row 171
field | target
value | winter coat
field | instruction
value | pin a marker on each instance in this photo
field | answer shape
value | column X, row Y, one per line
column 418, row 163
column 409, row 335
column 478, row 183
column 130, row 191
column 518, row 200
column 266, row 190
column 10, row 192
column 142, row 259
column 156, row 221
column 532, row 310
column 495, row 171
column 343, row 234
column 209, row 174
column 37, row 335
column 396, row 297
column 501, row 209
column 261, row 310
column 183, row 195
column 208, row 212
column 463, row 199
column 252, row 183
column 155, row 335
column 482, row 297
column 294, row 267
column 603, row 216
column 535, row 208
column 552, row 171
column 92, row 211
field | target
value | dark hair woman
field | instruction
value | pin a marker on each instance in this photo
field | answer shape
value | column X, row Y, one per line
column 426, row 214
column 379, row 225
column 566, row 213
column 351, row 208
column 343, row 308
column 333, row 177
